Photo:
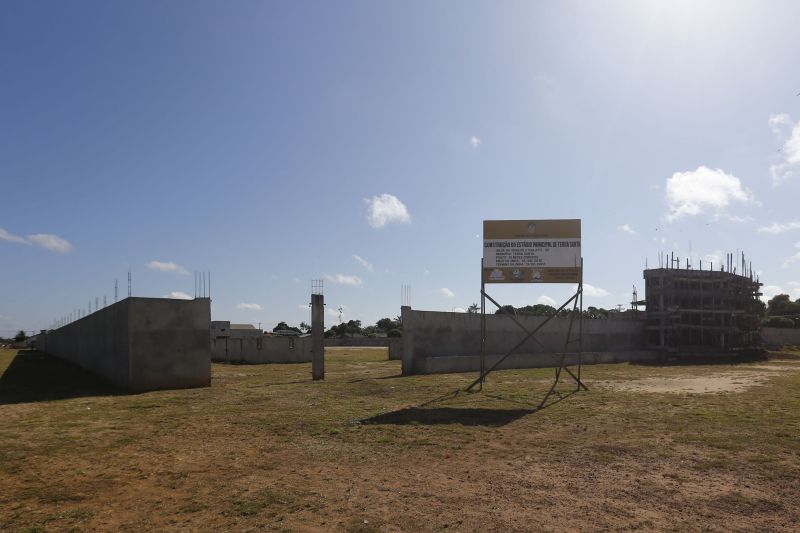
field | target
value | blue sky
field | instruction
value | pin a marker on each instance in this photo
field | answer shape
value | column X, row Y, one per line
column 364, row 143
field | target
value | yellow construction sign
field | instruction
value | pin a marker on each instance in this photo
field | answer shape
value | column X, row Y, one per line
column 532, row 251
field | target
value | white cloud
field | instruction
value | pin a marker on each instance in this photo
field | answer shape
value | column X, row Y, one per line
column 249, row 307
column 704, row 190
column 447, row 293
column 794, row 258
column 794, row 292
column 790, row 148
column 363, row 262
column 714, row 258
column 344, row 279
column 474, row 141
column 768, row 292
column 459, row 310
column 51, row 242
column 167, row 266
column 627, row 229
column 6, row 236
column 591, row 290
column 384, row 209
column 178, row 295
column 776, row 121
column 546, row 300
column 304, row 307
column 776, row 227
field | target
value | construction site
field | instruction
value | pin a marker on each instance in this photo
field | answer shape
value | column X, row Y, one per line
column 702, row 312
column 145, row 414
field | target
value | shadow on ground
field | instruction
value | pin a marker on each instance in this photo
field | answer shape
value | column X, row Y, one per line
column 449, row 415
column 425, row 414
column 34, row 377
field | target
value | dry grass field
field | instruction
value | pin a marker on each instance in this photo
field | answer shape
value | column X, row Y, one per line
column 702, row 447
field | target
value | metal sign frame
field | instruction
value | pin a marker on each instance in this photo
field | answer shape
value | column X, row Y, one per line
column 560, row 366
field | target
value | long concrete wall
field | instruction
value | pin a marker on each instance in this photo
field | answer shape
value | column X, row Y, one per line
column 435, row 342
column 140, row 344
column 780, row 336
column 393, row 343
column 258, row 350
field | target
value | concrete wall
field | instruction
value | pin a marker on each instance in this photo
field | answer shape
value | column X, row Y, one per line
column 257, row 350
column 780, row 336
column 140, row 344
column 394, row 344
column 450, row 342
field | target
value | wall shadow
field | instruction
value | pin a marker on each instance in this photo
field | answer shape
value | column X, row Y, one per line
column 37, row 377
column 449, row 415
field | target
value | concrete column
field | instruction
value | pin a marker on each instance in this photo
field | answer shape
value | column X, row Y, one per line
column 317, row 336
column 407, row 362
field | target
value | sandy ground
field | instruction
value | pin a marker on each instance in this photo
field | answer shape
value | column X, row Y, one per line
column 735, row 381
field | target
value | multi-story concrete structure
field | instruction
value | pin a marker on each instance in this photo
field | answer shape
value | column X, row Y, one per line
column 701, row 311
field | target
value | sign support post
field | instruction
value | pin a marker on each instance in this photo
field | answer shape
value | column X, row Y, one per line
column 483, row 328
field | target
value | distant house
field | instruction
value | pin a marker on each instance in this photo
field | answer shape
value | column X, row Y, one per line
column 224, row 329
column 287, row 333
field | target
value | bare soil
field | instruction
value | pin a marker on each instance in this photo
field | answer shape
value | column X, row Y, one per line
column 266, row 449
column 746, row 375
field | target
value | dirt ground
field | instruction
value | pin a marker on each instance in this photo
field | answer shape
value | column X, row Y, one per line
column 733, row 381
column 703, row 447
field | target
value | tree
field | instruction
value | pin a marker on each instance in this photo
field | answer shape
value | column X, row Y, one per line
column 595, row 312
column 474, row 308
column 352, row 327
column 344, row 329
column 387, row 324
column 384, row 324
column 535, row 310
column 283, row 326
column 506, row 310
column 304, row 326
column 782, row 305
column 20, row 336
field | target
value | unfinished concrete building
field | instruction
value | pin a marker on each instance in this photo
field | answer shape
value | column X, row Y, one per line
column 697, row 312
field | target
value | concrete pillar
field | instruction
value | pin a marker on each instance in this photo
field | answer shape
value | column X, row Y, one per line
column 407, row 362
column 317, row 336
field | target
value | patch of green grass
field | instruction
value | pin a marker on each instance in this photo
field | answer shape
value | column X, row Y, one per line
column 361, row 525
column 192, row 507
column 80, row 514
column 244, row 507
